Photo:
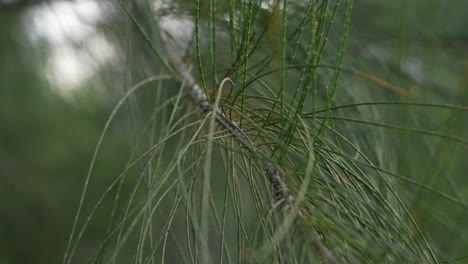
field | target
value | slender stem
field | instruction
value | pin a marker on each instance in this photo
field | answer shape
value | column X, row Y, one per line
column 285, row 201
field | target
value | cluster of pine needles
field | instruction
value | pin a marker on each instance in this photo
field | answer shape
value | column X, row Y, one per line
column 261, row 148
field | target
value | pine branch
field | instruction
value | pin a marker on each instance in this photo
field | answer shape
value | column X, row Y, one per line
column 280, row 190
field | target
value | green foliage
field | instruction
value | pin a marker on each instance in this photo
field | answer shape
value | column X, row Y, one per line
column 366, row 130
column 278, row 75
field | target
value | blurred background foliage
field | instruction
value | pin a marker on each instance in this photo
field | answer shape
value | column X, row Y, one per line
column 51, row 113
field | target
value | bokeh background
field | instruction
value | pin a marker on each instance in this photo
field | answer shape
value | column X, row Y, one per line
column 62, row 71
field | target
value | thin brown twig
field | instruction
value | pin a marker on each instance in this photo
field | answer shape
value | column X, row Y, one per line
column 278, row 185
